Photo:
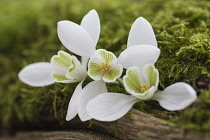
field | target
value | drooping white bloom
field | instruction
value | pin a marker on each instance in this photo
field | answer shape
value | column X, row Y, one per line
column 141, row 79
column 63, row 68
column 67, row 68
column 142, row 85
column 138, row 53
column 81, row 40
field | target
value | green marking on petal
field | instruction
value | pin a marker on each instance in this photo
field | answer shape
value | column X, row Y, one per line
column 74, row 66
column 94, row 69
column 59, row 77
column 112, row 74
column 152, row 75
column 62, row 59
column 144, row 95
column 132, row 81
column 107, row 57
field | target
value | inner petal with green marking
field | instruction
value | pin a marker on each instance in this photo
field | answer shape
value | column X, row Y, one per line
column 66, row 68
column 134, row 81
column 141, row 83
column 104, row 66
column 62, row 60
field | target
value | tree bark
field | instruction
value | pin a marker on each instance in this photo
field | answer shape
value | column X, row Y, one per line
column 136, row 125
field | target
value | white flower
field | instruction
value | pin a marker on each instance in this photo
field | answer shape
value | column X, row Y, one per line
column 67, row 68
column 63, row 68
column 141, row 84
column 104, row 66
column 141, row 79
column 79, row 39
column 141, row 49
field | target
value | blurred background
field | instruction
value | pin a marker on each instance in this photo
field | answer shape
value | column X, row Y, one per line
column 28, row 34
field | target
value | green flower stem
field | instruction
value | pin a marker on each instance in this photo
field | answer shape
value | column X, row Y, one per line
column 120, row 81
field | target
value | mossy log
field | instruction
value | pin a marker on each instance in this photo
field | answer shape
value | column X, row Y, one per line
column 134, row 125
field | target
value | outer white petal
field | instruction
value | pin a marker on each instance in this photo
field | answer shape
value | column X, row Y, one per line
column 75, row 38
column 37, row 74
column 141, row 33
column 176, row 97
column 72, row 107
column 91, row 23
column 84, row 62
column 89, row 92
column 110, row 106
column 139, row 55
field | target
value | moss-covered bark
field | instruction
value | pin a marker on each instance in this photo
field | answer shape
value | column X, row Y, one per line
column 29, row 34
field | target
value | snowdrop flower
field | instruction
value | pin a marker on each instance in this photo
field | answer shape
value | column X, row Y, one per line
column 141, row 84
column 67, row 68
column 104, row 66
column 63, row 68
column 79, row 39
column 141, row 79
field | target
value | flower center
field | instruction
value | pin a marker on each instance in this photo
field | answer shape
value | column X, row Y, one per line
column 105, row 67
column 143, row 88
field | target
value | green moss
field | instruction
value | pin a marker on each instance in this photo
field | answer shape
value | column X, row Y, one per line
column 29, row 34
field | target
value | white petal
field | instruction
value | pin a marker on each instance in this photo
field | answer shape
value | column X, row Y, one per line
column 72, row 107
column 151, row 75
column 106, row 56
column 62, row 61
column 89, row 92
column 75, row 38
column 91, row 23
column 139, row 55
column 110, row 106
column 141, row 33
column 84, row 62
column 176, row 97
column 94, row 68
column 145, row 96
column 37, row 74
column 76, row 72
